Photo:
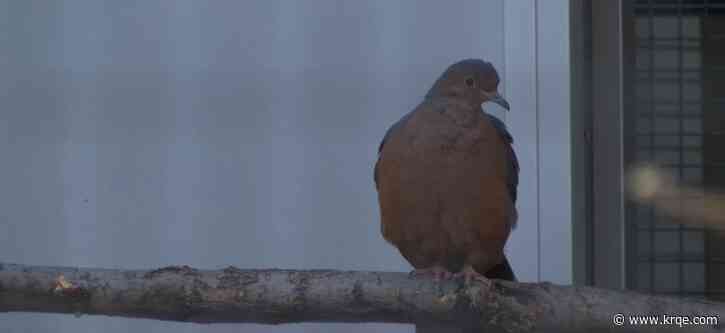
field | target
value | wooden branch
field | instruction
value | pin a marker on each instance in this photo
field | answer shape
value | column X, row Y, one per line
column 181, row 293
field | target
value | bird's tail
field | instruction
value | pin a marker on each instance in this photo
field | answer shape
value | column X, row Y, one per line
column 501, row 271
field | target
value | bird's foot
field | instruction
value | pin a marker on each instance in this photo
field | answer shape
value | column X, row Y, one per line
column 469, row 275
column 437, row 272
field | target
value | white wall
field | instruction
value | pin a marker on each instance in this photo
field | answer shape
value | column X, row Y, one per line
column 138, row 134
column 537, row 69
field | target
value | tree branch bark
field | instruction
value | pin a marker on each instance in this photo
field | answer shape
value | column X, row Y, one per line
column 274, row 296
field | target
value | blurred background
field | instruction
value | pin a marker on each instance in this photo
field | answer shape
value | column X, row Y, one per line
column 676, row 121
column 140, row 134
column 656, row 216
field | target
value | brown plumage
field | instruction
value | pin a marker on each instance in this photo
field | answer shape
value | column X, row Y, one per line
column 446, row 178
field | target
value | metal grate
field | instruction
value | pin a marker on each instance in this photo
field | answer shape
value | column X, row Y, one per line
column 672, row 71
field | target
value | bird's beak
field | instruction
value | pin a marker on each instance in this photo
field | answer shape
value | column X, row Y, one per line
column 495, row 97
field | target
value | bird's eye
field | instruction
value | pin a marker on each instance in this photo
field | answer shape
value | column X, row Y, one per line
column 470, row 82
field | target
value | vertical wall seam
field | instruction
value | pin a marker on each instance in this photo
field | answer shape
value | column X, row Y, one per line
column 538, row 139
column 620, row 70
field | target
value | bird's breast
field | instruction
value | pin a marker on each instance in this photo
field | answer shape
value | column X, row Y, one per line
column 448, row 133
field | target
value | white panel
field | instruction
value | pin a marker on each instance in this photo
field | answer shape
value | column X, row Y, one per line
column 520, row 89
column 554, row 141
column 224, row 133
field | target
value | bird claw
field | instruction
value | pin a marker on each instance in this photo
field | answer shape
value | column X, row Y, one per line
column 469, row 275
column 437, row 272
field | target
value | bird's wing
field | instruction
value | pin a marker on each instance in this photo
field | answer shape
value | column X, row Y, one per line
column 396, row 126
column 512, row 180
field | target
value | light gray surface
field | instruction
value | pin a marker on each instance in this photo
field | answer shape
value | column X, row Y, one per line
column 555, row 210
column 138, row 134
column 145, row 133
column 537, row 64
column 520, row 84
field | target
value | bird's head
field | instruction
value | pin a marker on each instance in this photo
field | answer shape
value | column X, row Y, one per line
column 473, row 80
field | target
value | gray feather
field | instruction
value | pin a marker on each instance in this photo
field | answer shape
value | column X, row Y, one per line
column 513, row 162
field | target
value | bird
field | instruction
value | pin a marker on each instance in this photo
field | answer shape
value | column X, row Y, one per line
column 447, row 176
